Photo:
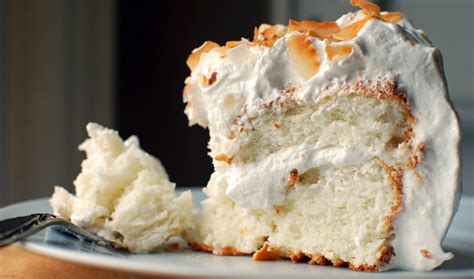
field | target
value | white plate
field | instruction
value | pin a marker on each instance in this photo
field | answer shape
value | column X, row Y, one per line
column 460, row 241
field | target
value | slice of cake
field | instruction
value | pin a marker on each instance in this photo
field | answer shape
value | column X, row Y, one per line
column 332, row 143
column 124, row 195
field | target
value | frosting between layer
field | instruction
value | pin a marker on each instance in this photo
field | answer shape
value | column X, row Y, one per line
column 276, row 167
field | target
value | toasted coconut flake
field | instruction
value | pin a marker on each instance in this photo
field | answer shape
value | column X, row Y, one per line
column 336, row 52
column 371, row 8
column 267, row 35
column 256, row 34
column 232, row 44
column 352, row 30
column 195, row 55
column 270, row 32
column 270, row 42
column 392, row 17
column 304, row 56
column 264, row 27
column 316, row 29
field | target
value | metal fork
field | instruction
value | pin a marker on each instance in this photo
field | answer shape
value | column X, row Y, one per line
column 18, row 228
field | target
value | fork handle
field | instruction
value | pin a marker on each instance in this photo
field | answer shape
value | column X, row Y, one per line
column 21, row 227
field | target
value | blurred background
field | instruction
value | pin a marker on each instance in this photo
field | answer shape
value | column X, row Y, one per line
column 122, row 64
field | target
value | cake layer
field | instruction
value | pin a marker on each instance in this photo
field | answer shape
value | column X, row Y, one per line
column 343, row 214
column 124, row 195
column 349, row 117
column 223, row 226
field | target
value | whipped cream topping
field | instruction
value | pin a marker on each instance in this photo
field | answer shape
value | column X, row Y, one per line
column 249, row 76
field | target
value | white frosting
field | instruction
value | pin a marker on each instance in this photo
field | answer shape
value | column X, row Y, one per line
column 251, row 76
column 277, row 166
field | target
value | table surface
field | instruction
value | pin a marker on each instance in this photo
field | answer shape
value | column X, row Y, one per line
column 17, row 262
